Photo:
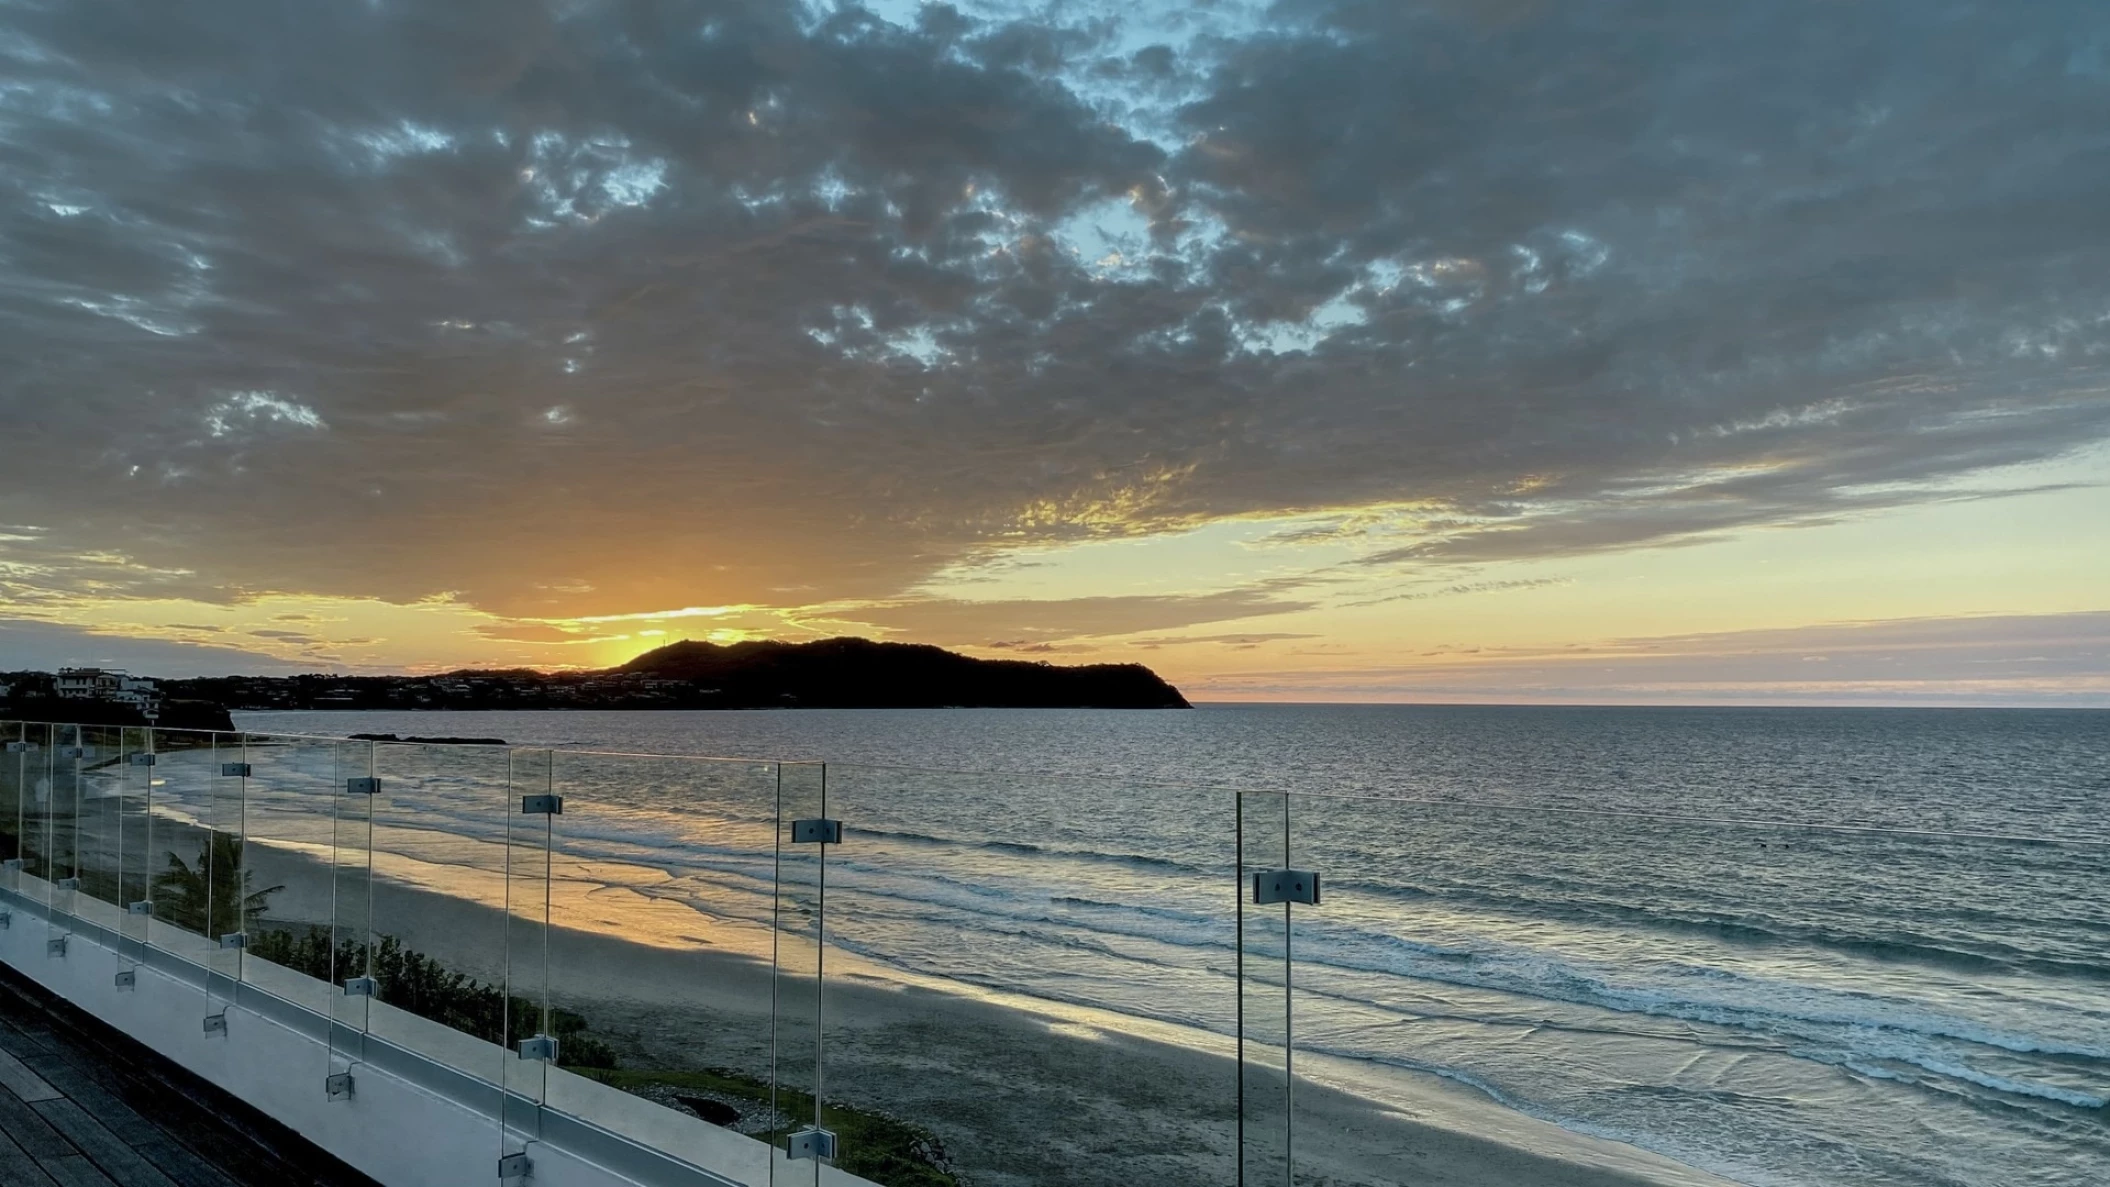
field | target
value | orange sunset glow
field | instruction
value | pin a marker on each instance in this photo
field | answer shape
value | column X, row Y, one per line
column 1572, row 392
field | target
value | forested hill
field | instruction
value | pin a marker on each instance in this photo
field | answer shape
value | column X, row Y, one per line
column 861, row 674
column 829, row 674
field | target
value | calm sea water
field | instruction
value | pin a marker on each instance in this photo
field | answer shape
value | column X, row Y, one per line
column 1808, row 947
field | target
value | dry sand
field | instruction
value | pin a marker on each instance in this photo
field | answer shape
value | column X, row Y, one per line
column 1019, row 1091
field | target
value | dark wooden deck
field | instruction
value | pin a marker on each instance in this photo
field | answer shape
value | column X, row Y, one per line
column 84, row 1106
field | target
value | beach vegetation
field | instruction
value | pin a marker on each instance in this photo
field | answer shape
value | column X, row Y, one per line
column 873, row 1145
column 213, row 896
column 416, row 983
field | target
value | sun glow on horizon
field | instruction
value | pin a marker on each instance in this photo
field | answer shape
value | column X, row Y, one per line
column 1292, row 608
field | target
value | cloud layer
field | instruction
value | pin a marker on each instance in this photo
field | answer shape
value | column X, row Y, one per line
column 47, row 647
column 594, row 308
column 2052, row 660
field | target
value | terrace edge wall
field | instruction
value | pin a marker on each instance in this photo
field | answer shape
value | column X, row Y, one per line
column 395, row 1130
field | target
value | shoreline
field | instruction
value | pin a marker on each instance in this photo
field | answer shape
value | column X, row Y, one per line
column 1020, row 1090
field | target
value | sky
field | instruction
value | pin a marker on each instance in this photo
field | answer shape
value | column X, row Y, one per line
column 1362, row 350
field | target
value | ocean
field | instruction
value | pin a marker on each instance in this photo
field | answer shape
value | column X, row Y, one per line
column 1811, row 947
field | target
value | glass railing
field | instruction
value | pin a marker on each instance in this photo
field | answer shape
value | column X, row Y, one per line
column 1775, row 1002
column 921, row 977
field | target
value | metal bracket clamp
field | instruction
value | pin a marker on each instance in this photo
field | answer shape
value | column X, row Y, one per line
column 235, row 770
column 235, row 939
column 811, row 1143
column 515, row 1166
column 76, row 752
column 542, row 805
column 139, row 908
column 339, row 1086
column 816, row 832
column 69, row 884
column 12, row 863
column 55, row 946
column 1286, row 886
column 366, row 786
column 128, row 978
column 360, row 987
column 542, row 1047
column 216, row 1024
column 143, row 759
column 21, row 747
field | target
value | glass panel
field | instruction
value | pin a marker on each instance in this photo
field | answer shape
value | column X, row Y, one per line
column 230, row 890
column 439, row 914
column 531, row 1045
column 288, row 855
column 85, row 824
column 131, row 792
column 1336, row 1003
column 19, row 769
column 174, row 859
column 75, row 760
column 1025, row 984
column 351, row 955
column 796, row 1064
column 59, row 814
column 1764, row 1001
column 98, row 792
column 662, row 904
column 40, row 781
column 1265, row 1037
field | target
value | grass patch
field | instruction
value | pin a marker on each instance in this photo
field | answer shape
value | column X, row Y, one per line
column 874, row 1146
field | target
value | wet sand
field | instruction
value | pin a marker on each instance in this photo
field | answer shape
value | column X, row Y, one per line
column 1018, row 1091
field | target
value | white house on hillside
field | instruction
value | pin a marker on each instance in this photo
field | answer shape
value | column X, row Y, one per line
column 111, row 684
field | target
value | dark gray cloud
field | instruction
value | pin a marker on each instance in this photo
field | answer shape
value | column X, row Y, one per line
column 612, row 306
column 1019, row 624
column 44, row 646
column 1025, row 645
column 1237, row 642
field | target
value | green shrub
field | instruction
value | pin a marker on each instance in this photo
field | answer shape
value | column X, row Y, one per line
column 414, row 982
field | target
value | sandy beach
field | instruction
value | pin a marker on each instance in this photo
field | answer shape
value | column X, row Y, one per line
column 1019, row 1091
